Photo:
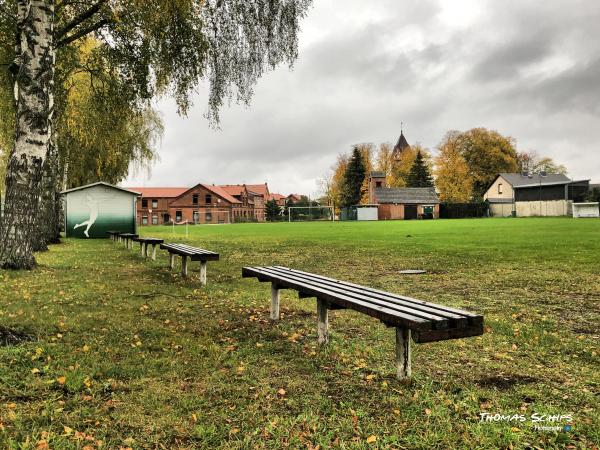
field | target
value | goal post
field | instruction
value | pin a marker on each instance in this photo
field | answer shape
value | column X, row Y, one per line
column 311, row 213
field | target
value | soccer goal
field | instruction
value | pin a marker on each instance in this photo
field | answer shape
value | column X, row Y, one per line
column 311, row 213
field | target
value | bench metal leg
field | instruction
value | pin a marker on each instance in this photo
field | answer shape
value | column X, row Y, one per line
column 403, row 353
column 203, row 273
column 323, row 322
column 172, row 260
column 153, row 252
column 184, row 269
column 274, row 302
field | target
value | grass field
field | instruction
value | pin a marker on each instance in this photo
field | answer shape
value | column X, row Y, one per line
column 113, row 351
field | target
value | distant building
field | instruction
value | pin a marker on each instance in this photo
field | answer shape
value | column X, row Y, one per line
column 524, row 195
column 402, row 203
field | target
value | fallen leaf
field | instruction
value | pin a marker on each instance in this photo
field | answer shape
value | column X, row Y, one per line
column 427, row 412
column 281, row 392
column 61, row 380
column 371, row 439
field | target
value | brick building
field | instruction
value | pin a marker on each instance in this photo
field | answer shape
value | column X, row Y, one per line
column 202, row 204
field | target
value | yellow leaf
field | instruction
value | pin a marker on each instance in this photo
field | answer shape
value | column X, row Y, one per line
column 371, row 439
column 68, row 430
column 86, row 348
column 515, row 429
column 281, row 392
column 35, row 370
column 12, row 405
column 427, row 412
column 61, row 380
column 370, row 377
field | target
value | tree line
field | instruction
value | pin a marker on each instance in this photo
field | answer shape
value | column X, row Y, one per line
column 462, row 168
column 78, row 79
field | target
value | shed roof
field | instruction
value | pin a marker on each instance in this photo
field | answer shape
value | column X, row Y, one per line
column 406, row 195
column 377, row 174
column 101, row 183
column 520, row 180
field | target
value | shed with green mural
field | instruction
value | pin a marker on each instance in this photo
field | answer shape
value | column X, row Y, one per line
column 94, row 209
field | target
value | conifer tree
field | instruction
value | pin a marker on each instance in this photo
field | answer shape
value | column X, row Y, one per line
column 419, row 175
column 352, row 189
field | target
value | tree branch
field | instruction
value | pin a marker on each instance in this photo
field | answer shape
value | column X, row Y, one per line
column 82, row 33
column 80, row 19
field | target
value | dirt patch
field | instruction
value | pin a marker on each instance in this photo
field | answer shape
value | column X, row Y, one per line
column 503, row 382
column 10, row 336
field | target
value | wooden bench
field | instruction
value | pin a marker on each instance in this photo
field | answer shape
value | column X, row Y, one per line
column 127, row 238
column 146, row 242
column 112, row 235
column 425, row 322
column 194, row 254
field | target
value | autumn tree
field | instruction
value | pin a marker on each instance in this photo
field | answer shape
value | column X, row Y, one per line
column 401, row 168
column 453, row 180
column 385, row 161
column 230, row 43
column 487, row 153
column 419, row 175
column 354, row 177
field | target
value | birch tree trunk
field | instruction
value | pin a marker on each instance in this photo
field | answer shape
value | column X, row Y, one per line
column 34, row 85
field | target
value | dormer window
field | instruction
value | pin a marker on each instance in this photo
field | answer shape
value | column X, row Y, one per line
column 195, row 199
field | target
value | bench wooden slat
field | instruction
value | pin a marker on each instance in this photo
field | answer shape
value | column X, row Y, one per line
column 148, row 240
column 474, row 319
column 379, row 312
column 192, row 252
column 456, row 320
column 438, row 322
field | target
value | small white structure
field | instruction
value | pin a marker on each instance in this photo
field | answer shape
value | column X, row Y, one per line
column 586, row 210
column 367, row 212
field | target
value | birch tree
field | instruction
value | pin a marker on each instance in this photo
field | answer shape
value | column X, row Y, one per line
column 163, row 47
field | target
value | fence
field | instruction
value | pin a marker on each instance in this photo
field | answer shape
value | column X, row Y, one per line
column 464, row 210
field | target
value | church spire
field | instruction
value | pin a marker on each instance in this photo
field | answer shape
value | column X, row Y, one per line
column 401, row 145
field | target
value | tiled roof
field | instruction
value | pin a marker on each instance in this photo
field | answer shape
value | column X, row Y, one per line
column 233, row 189
column 377, row 174
column 159, row 192
column 261, row 189
column 406, row 195
column 221, row 193
column 276, row 197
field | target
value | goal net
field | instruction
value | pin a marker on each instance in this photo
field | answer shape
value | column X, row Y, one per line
column 310, row 213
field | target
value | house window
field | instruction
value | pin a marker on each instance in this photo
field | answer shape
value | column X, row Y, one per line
column 208, row 216
column 378, row 184
column 178, row 216
column 155, row 203
column 195, row 199
column 166, row 218
column 154, row 219
column 144, row 220
column 208, row 199
column 196, row 216
column 144, row 203
column 499, row 188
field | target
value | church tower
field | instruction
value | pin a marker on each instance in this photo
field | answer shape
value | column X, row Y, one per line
column 400, row 147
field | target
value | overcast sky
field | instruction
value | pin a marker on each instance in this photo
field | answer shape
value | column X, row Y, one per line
column 529, row 69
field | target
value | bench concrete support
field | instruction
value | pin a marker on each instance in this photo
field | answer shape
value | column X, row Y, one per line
column 184, row 266
column 203, row 273
column 275, row 297
column 403, row 370
column 146, row 247
column 142, row 247
column 172, row 260
column 323, row 322
column 153, row 252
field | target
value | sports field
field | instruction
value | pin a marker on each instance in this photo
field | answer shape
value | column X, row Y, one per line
column 101, row 349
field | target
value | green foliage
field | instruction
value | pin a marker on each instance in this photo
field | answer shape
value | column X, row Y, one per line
column 272, row 211
column 419, row 175
column 594, row 195
column 354, row 177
